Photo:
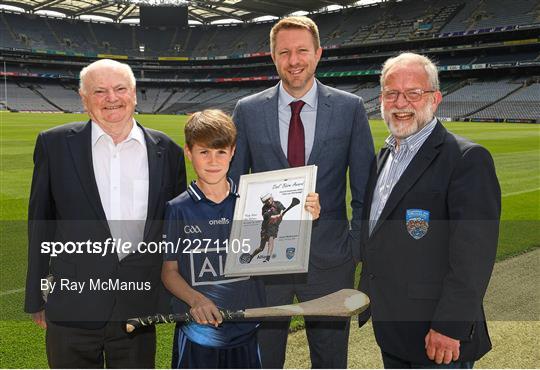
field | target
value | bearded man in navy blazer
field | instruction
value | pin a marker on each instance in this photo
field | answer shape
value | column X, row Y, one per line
column 94, row 181
column 303, row 122
column 429, row 241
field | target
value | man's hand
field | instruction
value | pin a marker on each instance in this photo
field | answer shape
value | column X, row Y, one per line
column 39, row 319
column 440, row 348
column 204, row 311
column 312, row 205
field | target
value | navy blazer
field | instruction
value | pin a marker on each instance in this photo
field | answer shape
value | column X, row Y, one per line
column 438, row 279
column 65, row 206
column 342, row 144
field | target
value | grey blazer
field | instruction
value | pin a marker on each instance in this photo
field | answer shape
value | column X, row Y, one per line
column 342, row 144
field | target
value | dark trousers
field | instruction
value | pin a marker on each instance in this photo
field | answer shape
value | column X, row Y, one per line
column 190, row 355
column 393, row 362
column 110, row 346
column 327, row 337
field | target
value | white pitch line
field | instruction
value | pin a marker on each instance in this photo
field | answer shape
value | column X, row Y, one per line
column 520, row 192
column 12, row 291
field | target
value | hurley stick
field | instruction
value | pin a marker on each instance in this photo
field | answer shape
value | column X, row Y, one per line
column 345, row 302
column 294, row 202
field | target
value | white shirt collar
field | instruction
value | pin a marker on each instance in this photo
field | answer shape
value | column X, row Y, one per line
column 310, row 98
column 136, row 133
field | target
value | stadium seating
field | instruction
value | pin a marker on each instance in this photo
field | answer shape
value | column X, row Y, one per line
column 369, row 24
column 478, row 14
column 26, row 98
column 473, row 97
column 193, row 99
column 150, row 99
column 488, row 100
column 9, row 39
column 507, row 57
column 522, row 104
column 64, row 97
column 370, row 95
column 175, row 87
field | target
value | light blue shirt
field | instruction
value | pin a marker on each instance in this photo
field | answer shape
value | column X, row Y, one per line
column 397, row 162
column 308, row 116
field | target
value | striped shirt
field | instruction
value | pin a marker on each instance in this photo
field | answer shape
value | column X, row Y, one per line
column 397, row 162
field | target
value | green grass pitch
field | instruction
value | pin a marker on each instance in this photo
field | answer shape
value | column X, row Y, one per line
column 515, row 148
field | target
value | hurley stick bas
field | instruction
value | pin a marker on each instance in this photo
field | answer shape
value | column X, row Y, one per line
column 344, row 303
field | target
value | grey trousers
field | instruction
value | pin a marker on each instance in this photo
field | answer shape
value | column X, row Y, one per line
column 327, row 337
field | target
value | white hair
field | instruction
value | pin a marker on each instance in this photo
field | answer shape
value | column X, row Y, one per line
column 106, row 63
column 412, row 59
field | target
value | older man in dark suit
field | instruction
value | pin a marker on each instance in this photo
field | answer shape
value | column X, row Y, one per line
column 432, row 211
column 303, row 122
column 96, row 184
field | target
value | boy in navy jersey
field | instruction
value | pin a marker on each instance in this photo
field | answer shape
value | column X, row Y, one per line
column 199, row 222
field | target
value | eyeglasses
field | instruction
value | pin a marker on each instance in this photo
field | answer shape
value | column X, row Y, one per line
column 412, row 95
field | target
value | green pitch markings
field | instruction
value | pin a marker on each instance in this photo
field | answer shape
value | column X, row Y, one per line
column 12, row 291
column 520, row 192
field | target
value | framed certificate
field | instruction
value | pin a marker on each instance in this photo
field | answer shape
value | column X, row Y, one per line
column 271, row 230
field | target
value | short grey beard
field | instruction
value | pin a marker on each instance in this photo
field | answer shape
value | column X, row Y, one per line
column 416, row 116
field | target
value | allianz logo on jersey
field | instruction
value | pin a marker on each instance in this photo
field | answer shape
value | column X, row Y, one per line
column 209, row 268
column 192, row 229
column 221, row 221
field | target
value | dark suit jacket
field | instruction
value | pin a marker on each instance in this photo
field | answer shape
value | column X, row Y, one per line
column 342, row 143
column 65, row 206
column 439, row 280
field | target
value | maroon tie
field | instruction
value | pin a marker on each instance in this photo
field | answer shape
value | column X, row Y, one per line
column 296, row 144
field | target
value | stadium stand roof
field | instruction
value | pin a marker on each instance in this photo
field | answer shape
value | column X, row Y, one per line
column 204, row 11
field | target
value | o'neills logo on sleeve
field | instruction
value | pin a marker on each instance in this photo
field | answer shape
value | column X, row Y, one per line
column 221, row 221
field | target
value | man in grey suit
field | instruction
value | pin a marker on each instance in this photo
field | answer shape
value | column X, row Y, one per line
column 303, row 122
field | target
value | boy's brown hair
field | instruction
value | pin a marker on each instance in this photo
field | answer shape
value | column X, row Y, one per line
column 211, row 128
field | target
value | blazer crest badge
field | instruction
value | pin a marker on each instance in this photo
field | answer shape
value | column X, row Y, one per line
column 417, row 221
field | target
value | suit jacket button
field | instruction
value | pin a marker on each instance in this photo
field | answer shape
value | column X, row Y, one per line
column 371, row 276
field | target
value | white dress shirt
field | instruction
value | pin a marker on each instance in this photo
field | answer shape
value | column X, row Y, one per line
column 308, row 114
column 121, row 172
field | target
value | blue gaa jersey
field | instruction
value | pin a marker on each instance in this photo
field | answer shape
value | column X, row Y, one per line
column 199, row 229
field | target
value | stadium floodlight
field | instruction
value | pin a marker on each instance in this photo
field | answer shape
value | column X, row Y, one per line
column 367, row 2
column 12, row 8
column 154, row 2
